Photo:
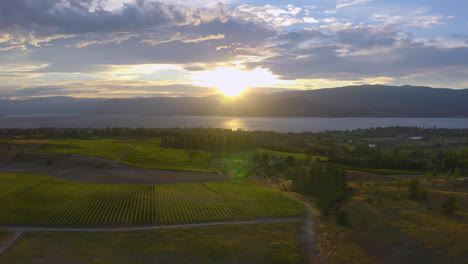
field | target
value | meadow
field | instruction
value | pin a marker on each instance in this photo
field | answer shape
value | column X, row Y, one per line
column 33, row 199
column 265, row 243
column 138, row 152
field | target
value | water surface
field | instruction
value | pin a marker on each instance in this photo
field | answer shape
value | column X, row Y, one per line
column 278, row 124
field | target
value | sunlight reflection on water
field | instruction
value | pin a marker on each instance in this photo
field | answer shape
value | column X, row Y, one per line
column 278, row 124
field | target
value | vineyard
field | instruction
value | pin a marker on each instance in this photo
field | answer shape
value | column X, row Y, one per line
column 145, row 153
column 268, row 243
column 29, row 199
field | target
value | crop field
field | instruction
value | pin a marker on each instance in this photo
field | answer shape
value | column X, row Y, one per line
column 102, row 148
column 149, row 154
column 34, row 199
column 136, row 152
column 297, row 156
column 266, row 243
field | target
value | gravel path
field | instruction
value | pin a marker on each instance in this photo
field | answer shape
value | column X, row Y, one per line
column 151, row 227
column 18, row 231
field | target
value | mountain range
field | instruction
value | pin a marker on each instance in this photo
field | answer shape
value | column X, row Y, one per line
column 349, row 101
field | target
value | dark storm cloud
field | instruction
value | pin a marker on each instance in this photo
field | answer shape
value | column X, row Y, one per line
column 45, row 17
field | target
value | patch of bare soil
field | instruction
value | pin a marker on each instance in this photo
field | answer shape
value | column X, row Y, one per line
column 96, row 170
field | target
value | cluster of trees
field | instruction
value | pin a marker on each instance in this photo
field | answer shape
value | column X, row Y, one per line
column 208, row 139
column 325, row 182
column 81, row 133
column 227, row 140
column 397, row 131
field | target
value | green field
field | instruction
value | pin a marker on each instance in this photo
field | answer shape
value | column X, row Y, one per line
column 149, row 154
column 145, row 153
column 36, row 199
column 102, row 148
column 269, row 243
column 297, row 156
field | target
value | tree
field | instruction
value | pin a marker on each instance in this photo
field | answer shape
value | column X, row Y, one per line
column 290, row 161
column 450, row 163
column 342, row 218
column 457, row 173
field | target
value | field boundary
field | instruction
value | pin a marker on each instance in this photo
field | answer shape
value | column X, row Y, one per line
column 21, row 229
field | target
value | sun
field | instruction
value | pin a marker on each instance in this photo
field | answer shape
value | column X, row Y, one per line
column 233, row 81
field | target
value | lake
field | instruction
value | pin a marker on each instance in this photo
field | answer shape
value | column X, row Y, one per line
column 278, row 124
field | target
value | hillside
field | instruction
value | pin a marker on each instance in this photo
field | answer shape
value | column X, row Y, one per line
column 350, row 101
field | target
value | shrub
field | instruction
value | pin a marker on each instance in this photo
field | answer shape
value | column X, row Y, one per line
column 342, row 219
column 417, row 191
column 450, row 206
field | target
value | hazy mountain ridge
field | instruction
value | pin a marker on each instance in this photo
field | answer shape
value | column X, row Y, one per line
column 350, row 101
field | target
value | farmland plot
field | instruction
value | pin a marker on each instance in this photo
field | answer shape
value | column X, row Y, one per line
column 44, row 200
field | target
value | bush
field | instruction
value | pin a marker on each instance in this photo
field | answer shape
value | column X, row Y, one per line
column 342, row 219
column 417, row 191
column 450, row 206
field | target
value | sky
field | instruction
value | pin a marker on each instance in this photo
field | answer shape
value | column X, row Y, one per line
column 148, row 48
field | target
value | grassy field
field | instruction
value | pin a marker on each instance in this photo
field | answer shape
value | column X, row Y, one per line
column 35, row 199
column 297, row 156
column 269, row 243
column 145, row 153
column 102, row 148
column 387, row 227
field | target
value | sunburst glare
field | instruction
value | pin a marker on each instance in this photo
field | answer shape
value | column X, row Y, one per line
column 233, row 81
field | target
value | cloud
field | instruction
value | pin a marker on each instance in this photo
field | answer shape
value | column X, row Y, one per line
column 185, row 38
column 275, row 16
column 109, row 90
column 360, row 52
column 345, row 3
column 186, row 44
column 367, row 36
column 409, row 17
column 36, row 22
